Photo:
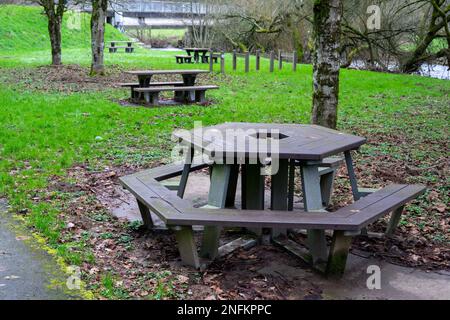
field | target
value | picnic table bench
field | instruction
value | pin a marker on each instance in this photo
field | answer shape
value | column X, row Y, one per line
column 128, row 48
column 185, row 91
column 134, row 85
column 182, row 93
column 183, row 59
column 315, row 153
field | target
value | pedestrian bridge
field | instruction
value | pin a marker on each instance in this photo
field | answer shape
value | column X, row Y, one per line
column 156, row 14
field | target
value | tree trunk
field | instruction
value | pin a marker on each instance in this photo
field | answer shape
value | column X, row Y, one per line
column 99, row 8
column 54, row 30
column 326, row 61
column 54, row 13
column 414, row 61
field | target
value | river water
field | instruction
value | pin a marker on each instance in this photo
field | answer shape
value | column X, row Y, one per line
column 427, row 70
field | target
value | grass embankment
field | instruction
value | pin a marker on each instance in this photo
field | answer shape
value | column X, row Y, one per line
column 24, row 29
column 43, row 134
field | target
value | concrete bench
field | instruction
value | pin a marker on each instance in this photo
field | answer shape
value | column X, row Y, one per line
column 182, row 93
column 127, row 49
column 180, row 215
column 183, row 59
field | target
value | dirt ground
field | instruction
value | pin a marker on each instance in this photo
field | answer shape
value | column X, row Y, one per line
column 147, row 260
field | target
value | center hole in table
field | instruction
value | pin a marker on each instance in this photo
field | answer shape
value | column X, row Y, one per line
column 269, row 135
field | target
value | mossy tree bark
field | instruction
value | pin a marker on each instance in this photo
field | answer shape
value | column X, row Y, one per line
column 440, row 19
column 98, row 17
column 54, row 10
column 326, row 61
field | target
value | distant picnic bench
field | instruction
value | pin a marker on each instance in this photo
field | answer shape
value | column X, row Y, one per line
column 185, row 91
column 313, row 149
column 197, row 55
column 114, row 46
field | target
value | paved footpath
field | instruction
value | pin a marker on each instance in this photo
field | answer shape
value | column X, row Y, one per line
column 26, row 272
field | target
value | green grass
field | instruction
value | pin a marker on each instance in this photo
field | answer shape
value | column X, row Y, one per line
column 23, row 29
column 168, row 33
column 44, row 134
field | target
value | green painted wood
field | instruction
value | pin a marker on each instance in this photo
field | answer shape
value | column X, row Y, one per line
column 279, row 188
column 253, row 184
column 352, row 175
column 220, row 180
column 146, row 216
column 339, row 250
column 187, row 246
column 291, row 185
column 312, row 197
column 217, row 197
column 280, row 192
column 185, row 174
column 326, row 186
column 232, row 186
column 394, row 221
column 252, row 187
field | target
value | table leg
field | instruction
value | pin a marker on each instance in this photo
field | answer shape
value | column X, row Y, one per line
column 353, row 180
column 352, row 175
column 223, row 185
column 313, row 201
column 189, row 81
column 144, row 82
column 279, row 192
column 185, row 174
column 146, row 215
column 252, row 190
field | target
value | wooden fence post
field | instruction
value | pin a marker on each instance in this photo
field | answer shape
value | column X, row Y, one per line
column 294, row 61
column 258, row 59
column 234, row 60
column 272, row 60
column 222, row 62
column 280, row 59
column 211, row 62
column 247, row 62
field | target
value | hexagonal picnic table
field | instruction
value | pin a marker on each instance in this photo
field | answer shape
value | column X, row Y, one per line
column 306, row 146
column 242, row 148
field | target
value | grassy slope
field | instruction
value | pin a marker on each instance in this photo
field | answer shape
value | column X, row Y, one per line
column 25, row 28
column 42, row 134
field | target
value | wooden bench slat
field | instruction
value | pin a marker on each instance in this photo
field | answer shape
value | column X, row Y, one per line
column 162, row 208
column 369, row 200
column 190, row 88
column 170, row 171
column 176, row 211
column 168, row 83
column 374, row 211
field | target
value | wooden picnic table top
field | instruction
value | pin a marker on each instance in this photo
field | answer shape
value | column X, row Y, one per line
column 296, row 141
column 124, row 41
column 156, row 72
